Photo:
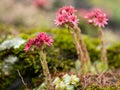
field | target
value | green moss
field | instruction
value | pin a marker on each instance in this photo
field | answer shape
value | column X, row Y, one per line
column 61, row 56
column 114, row 56
column 94, row 87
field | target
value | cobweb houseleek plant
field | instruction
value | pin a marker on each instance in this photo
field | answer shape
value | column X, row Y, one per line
column 66, row 17
column 99, row 19
column 39, row 43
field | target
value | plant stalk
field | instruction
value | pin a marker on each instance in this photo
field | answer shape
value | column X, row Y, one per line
column 86, row 61
column 45, row 70
column 103, row 49
column 83, row 46
column 77, row 46
column 84, row 65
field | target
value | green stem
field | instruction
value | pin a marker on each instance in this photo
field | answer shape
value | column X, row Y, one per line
column 45, row 69
column 103, row 49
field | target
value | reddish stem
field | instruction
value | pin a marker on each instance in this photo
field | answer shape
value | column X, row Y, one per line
column 77, row 46
column 83, row 46
column 103, row 49
column 81, row 55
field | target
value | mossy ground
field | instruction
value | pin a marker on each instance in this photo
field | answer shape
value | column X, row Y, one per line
column 61, row 58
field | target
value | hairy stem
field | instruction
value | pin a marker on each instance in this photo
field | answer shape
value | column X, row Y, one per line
column 83, row 46
column 77, row 46
column 103, row 49
column 45, row 70
column 84, row 65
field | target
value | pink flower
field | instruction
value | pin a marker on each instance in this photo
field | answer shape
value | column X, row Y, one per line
column 101, row 20
column 43, row 38
column 39, row 40
column 48, row 41
column 40, row 3
column 73, row 19
column 90, row 15
column 66, row 9
column 60, row 20
column 65, row 15
column 97, row 11
column 29, row 44
column 97, row 17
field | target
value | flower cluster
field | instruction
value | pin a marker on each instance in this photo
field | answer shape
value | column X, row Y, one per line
column 40, row 3
column 39, row 40
column 65, row 15
column 97, row 17
column 67, row 82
